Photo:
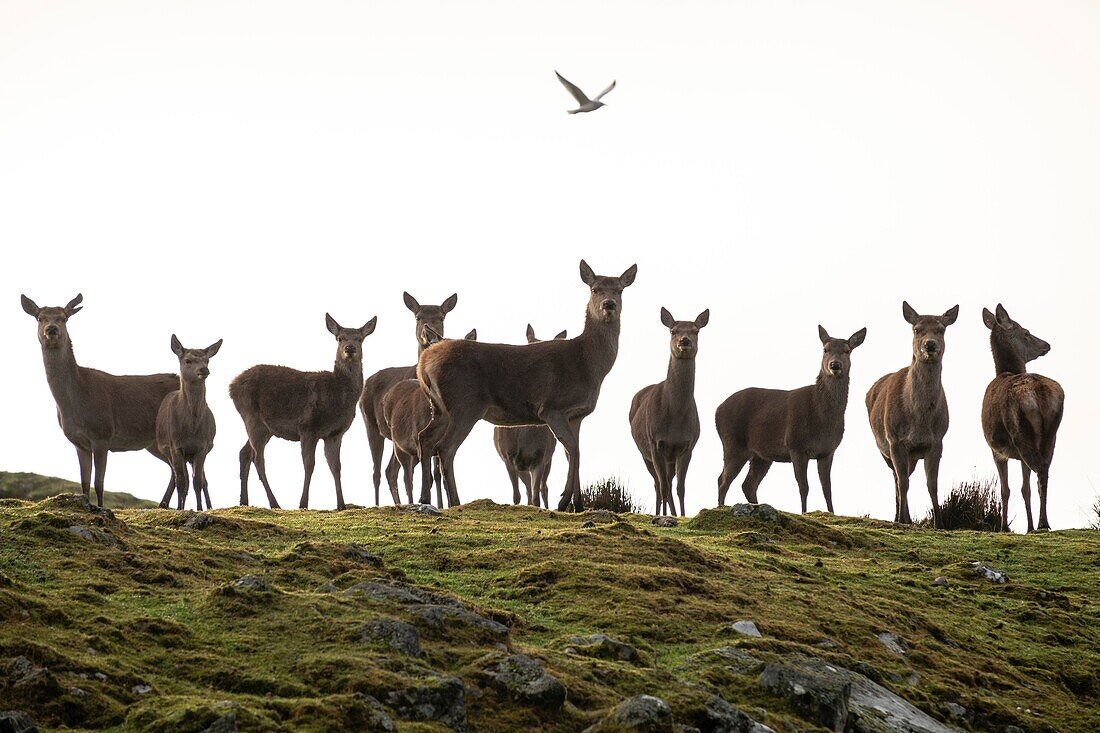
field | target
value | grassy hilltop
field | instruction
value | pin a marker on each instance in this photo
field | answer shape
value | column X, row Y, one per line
column 33, row 487
column 376, row 618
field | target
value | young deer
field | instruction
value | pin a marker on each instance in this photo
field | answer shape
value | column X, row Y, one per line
column 306, row 407
column 185, row 424
column 429, row 329
column 554, row 383
column 527, row 451
column 664, row 420
column 1021, row 412
column 908, row 411
column 98, row 412
column 760, row 426
column 405, row 412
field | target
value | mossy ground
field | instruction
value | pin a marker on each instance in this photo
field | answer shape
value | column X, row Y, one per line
column 149, row 601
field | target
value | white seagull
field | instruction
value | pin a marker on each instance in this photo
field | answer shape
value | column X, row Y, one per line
column 586, row 104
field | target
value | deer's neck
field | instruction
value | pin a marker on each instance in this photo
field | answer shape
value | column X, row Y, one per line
column 194, row 396
column 601, row 344
column 831, row 394
column 923, row 384
column 62, row 373
column 680, row 381
column 1005, row 361
column 350, row 374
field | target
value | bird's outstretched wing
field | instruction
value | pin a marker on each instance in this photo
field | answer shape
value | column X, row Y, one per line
column 605, row 91
column 574, row 90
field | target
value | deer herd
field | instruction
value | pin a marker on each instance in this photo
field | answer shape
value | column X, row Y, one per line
column 537, row 395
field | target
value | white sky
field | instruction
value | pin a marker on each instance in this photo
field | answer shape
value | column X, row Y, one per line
column 235, row 169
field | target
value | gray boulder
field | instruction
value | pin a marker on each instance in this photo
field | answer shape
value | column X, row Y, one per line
column 640, row 714
column 721, row 717
column 747, row 628
column 252, row 583
column 894, row 643
column 225, row 724
column 358, row 553
column 398, row 635
column 438, row 699
column 200, row 521
column 665, row 521
column 523, row 680
column 989, row 573
column 94, row 535
column 16, row 721
column 444, row 620
column 822, row 699
column 428, row 509
column 603, row 646
column 759, row 512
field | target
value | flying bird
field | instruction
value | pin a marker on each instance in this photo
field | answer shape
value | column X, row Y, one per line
column 586, row 104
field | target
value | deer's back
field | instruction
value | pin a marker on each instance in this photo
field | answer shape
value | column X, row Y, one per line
column 375, row 388
column 1021, row 410
column 290, row 402
column 524, row 447
column 118, row 412
column 406, row 411
column 760, row 420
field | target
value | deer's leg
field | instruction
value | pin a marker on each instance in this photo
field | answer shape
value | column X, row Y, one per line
column 426, row 482
column 656, row 485
column 568, row 434
column 1006, row 492
column 1044, row 474
column 437, row 476
column 903, row 469
column 259, row 444
column 538, row 481
column 513, row 478
column 198, row 474
column 824, row 473
column 545, row 476
column 179, row 470
column 1025, row 491
column 526, row 478
column 408, row 466
column 732, row 463
column 758, row 469
column 246, row 456
column 377, row 443
column 682, row 463
column 392, row 468
column 664, row 469
column 801, row 463
column 84, row 457
column 99, row 458
column 932, row 476
column 332, row 455
column 457, row 432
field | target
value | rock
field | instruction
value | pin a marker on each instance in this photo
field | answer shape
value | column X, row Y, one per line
column 760, row 512
column 358, row 553
column 141, row 689
column 94, row 535
column 989, row 573
column 16, row 721
column 603, row 646
column 603, row 516
column 100, row 676
column 436, row 698
column 819, row 698
column 955, row 710
column 377, row 718
column 77, row 692
column 867, row 671
column 400, row 636
column 428, row 509
column 386, row 591
column 721, row 717
column 328, row 587
column 665, row 521
column 252, row 583
column 940, row 582
column 894, row 643
column 523, row 679
column 747, row 628
column 200, row 521
column 640, row 714
column 442, row 619
column 224, row 724
column 589, row 524
column 30, row 682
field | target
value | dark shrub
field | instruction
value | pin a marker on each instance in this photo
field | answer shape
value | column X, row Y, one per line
column 1095, row 521
column 974, row 504
column 609, row 493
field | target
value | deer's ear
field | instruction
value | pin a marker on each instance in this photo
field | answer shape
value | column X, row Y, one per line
column 29, row 306
column 560, row 335
column 177, row 347
column 988, row 319
column 1003, row 318
column 908, row 313
column 587, row 276
column 449, row 304
column 666, row 318
column 702, row 319
column 331, row 324
column 472, row 335
column 950, row 316
column 531, row 338
column 857, row 338
column 368, row 327
column 213, row 348
column 435, row 336
column 822, row 334
column 73, row 306
column 628, row 275
column 410, row 303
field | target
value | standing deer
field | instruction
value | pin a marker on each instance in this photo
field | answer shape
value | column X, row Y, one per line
column 306, row 407
column 908, row 411
column 98, row 412
column 185, row 424
column 664, row 420
column 429, row 329
column 1021, row 412
column 553, row 383
column 760, row 426
column 405, row 412
column 527, row 452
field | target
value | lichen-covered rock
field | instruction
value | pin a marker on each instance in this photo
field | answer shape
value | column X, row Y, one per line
column 427, row 509
column 822, row 699
column 225, row 724
column 524, row 680
column 639, row 714
column 16, row 721
column 745, row 628
column 94, row 535
column 760, row 512
column 445, row 620
column 665, row 521
column 398, row 635
column 199, row 521
column 252, row 583
column 358, row 553
column 721, row 717
column 989, row 573
column 440, row 699
column 603, row 646
column 894, row 643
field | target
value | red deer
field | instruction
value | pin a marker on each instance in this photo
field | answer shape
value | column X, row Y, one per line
column 664, row 420
column 98, row 412
column 185, row 424
column 553, row 383
column 305, row 407
column 1021, row 412
column 760, row 426
column 405, row 412
column 908, row 411
column 527, row 452
column 429, row 328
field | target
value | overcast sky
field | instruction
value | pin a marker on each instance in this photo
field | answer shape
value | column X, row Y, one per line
column 236, row 169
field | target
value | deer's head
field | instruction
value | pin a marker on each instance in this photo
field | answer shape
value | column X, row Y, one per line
column 429, row 319
column 928, row 332
column 1010, row 337
column 349, row 341
column 685, row 334
column 194, row 363
column 837, row 359
column 606, row 301
column 533, row 339
column 53, row 330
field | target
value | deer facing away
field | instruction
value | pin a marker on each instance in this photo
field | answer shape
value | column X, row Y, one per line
column 98, row 412
column 185, row 424
column 528, row 452
column 908, row 411
column 305, row 407
column 553, row 383
column 664, row 419
column 1021, row 412
column 429, row 329
column 760, row 426
column 405, row 412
